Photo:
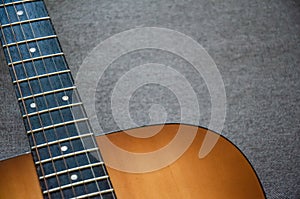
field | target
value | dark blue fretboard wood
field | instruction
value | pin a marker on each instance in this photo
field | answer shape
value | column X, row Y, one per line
column 64, row 150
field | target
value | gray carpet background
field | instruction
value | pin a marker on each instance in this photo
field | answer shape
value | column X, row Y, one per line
column 255, row 44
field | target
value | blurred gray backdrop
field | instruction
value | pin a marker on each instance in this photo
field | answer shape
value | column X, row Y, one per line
column 255, row 44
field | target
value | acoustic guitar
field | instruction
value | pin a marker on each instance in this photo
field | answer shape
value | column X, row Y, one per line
column 65, row 159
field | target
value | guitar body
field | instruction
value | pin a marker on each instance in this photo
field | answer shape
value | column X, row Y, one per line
column 223, row 173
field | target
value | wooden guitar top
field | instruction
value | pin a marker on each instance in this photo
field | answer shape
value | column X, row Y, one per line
column 223, row 173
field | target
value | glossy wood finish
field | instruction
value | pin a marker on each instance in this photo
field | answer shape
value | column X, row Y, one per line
column 18, row 179
column 224, row 173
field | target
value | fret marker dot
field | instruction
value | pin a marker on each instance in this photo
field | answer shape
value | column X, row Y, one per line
column 33, row 105
column 65, row 98
column 20, row 12
column 74, row 177
column 64, row 148
column 32, row 50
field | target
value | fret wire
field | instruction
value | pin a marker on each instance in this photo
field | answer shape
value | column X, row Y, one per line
column 77, row 183
column 61, row 140
column 93, row 143
column 82, row 141
column 24, row 106
column 59, row 144
column 43, row 93
column 94, row 194
column 89, row 161
column 15, row 2
column 19, row 88
column 9, row 54
column 56, row 125
column 71, row 144
column 98, row 153
column 52, row 109
column 30, row 40
column 40, row 121
column 46, row 93
column 43, row 75
column 39, row 82
column 73, row 169
column 25, row 21
column 66, row 155
column 35, row 58
column 80, row 138
column 41, row 88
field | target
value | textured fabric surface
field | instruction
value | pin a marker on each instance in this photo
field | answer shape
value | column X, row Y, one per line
column 255, row 45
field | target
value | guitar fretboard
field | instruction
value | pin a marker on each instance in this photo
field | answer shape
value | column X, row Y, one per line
column 66, row 156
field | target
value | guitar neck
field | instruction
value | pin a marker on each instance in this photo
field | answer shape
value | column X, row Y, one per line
column 66, row 156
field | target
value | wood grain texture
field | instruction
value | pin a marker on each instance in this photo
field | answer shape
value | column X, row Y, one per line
column 224, row 173
column 19, row 179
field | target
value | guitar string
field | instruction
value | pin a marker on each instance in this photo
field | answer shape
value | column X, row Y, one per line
column 103, row 167
column 47, row 106
column 71, row 144
column 41, row 88
column 70, row 77
column 16, row 76
column 29, row 85
column 92, row 137
column 94, row 143
column 59, row 144
column 39, row 118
